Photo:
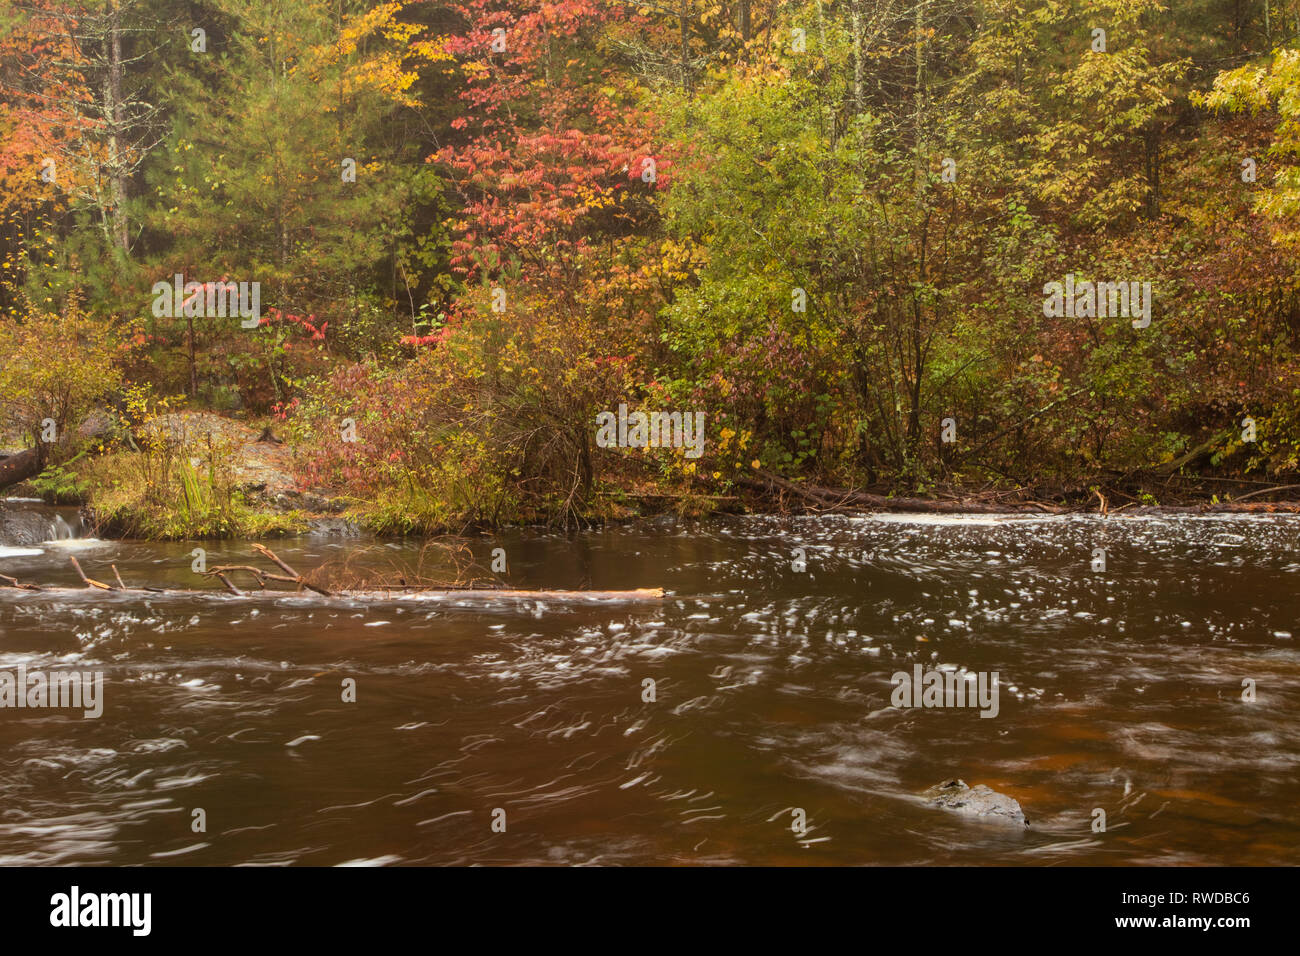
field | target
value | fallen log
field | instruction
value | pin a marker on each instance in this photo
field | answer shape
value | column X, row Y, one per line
column 833, row 499
column 380, row 592
column 1263, row 491
column 1222, row 508
column 376, row 595
column 19, row 467
column 840, row 498
column 1203, row 450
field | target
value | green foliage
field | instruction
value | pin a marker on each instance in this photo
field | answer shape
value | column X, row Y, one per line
column 57, row 365
column 1255, row 89
column 923, row 294
column 62, row 484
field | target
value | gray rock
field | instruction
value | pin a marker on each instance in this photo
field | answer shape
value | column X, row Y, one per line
column 294, row 500
column 97, row 424
column 332, row 527
column 26, row 525
column 978, row 801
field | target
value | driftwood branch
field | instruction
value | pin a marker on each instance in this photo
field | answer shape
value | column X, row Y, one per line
column 14, row 583
column 296, row 577
column 90, row 582
column 257, row 573
column 1264, row 491
column 229, row 587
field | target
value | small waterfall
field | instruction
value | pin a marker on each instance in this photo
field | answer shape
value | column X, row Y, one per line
column 24, row 524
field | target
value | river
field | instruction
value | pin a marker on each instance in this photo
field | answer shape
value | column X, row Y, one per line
column 523, row 732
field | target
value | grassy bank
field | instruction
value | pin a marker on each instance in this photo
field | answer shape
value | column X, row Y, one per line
column 165, row 490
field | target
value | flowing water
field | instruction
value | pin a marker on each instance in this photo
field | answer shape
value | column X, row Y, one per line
column 1120, row 690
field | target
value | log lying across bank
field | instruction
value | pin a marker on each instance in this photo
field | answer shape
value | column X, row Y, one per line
column 379, row 592
column 19, row 467
column 830, row 500
column 847, row 498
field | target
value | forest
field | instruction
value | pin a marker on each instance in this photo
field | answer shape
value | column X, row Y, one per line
column 466, row 263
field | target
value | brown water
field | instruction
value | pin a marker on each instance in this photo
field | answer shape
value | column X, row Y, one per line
column 1120, row 690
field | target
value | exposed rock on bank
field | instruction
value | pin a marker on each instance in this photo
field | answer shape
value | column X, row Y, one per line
column 262, row 465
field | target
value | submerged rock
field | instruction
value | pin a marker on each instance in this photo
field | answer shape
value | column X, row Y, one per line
column 977, row 801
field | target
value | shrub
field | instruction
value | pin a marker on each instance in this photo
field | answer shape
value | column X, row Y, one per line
column 56, row 366
column 494, row 423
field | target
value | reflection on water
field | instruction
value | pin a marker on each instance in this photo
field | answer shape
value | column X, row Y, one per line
column 1120, row 690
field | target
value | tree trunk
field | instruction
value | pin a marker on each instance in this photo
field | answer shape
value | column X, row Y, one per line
column 857, row 59
column 919, row 97
column 686, row 48
column 1153, row 173
column 192, row 356
column 118, row 162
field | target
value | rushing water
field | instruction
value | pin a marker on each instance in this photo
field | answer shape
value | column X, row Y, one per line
column 1120, row 690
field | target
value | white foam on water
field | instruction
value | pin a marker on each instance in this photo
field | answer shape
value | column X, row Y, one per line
column 384, row 860
column 18, row 552
column 76, row 544
column 163, row 854
column 974, row 520
column 962, row 520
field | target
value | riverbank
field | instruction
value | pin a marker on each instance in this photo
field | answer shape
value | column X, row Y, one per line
column 200, row 475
